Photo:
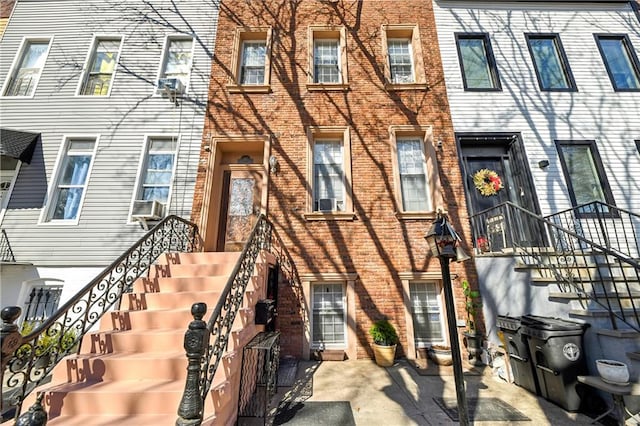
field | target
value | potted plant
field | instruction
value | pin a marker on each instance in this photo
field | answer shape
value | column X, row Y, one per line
column 472, row 339
column 48, row 345
column 385, row 340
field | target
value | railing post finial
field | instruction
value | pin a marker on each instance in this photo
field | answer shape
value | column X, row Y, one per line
column 9, row 334
column 196, row 339
column 35, row 416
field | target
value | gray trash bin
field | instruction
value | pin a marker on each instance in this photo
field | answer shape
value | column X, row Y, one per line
column 524, row 374
column 558, row 357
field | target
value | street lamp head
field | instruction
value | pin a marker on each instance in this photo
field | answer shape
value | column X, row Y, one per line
column 444, row 241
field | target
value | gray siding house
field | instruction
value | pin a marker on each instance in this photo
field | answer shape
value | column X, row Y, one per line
column 102, row 106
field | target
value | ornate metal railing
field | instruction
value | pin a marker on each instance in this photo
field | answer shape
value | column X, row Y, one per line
column 27, row 360
column 220, row 325
column 601, row 274
column 6, row 254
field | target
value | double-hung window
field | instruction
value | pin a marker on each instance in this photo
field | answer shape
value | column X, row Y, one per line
column 26, row 73
column 251, row 61
column 177, row 59
column 101, row 67
column 620, row 60
column 252, row 68
column 426, row 313
column 72, row 179
column 402, row 48
column 329, row 316
column 550, row 62
column 157, row 170
column 327, row 58
column 479, row 71
column 326, row 61
column 416, row 187
column 584, row 173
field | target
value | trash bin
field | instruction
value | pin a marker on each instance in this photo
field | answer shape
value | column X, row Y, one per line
column 557, row 353
column 517, row 345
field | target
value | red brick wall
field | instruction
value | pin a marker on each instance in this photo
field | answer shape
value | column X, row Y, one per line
column 376, row 245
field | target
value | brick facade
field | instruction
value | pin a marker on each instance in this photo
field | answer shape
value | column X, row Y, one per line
column 376, row 245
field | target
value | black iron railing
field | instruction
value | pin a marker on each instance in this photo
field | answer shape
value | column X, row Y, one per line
column 593, row 257
column 6, row 254
column 39, row 351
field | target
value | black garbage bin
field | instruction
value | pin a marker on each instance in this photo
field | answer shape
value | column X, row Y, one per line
column 522, row 367
column 557, row 353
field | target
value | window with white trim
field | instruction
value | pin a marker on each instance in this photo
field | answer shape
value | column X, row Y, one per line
column 177, row 59
column 426, row 312
column 329, row 316
column 400, row 60
column 254, row 53
column 101, row 67
column 72, row 178
column 402, row 48
column 157, row 170
column 327, row 58
column 26, row 74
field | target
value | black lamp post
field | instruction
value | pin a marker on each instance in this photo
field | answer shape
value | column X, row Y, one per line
column 443, row 241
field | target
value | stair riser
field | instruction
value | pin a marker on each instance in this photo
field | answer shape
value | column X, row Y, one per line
column 106, row 342
column 147, row 320
column 176, row 285
column 126, row 368
column 198, row 258
column 142, row 301
column 190, row 270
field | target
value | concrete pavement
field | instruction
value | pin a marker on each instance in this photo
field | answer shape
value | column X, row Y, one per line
column 399, row 396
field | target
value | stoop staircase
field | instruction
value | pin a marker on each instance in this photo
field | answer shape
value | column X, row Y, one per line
column 132, row 370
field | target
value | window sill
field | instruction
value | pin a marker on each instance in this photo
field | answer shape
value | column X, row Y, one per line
column 416, row 215
column 392, row 87
column 248, row 88
column 327, row 87
column 317, row 216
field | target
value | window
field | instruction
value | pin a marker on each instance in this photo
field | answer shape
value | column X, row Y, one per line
column 72, row 179
column 638, row 146
column 403, row 52
column 426, row 313
column 177, row 59
column 251, row 59
column 550, row 62
column 42, row 302
column 330, row 173
column 479, row 71
column 329, row 316
column 584, row 173
column 327, row 58
column 620, row 60
column 101, row 67
column 415, row 171
column 26, row 73
column 157, row 170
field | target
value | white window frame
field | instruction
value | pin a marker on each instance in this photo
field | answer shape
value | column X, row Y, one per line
column 410, row 33
column 162, row 68
column 337, row 34
column 17, row 61
column 142, row 167
column 427, row 196
column 335, row 345
column 47, row 211
column 4, row 202
column 439, row 307
column 411, row 59
column 242, row 35
column 89, row 63
column 29, row 285
column 241, row 65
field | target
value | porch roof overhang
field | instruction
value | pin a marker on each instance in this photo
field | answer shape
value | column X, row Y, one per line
column 18, row 144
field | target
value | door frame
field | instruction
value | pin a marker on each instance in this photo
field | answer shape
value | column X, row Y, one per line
column 225, row 151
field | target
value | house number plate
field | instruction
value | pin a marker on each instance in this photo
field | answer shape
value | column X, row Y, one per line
column 571, row 351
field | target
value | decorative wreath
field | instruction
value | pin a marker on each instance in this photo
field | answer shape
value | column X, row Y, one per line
column 487, row 182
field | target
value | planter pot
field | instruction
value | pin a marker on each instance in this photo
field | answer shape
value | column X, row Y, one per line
column 441, row 356
column 473, row 343
column 384, row 355
column 614, row 372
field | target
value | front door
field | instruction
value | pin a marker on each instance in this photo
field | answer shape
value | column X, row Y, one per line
column 496, row 171
column 240, row 207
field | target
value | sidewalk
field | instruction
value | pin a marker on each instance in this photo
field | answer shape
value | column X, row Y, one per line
column 361, row 393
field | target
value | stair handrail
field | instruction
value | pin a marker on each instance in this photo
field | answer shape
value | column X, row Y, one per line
column 6, row 254
column 29, row 359
column 554, row 230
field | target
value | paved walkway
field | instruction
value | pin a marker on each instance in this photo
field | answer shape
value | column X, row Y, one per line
column 398, row 396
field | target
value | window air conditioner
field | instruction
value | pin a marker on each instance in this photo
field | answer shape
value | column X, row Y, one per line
column 327, row 204
column 147, row 210
column 170, row 86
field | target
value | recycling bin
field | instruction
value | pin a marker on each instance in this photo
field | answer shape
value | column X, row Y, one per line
column 556, row 348
column 517, row 345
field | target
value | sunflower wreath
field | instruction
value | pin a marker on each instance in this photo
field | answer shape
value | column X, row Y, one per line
column 487, row 182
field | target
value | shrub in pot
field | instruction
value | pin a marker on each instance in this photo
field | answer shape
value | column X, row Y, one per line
column 472, row 339
column 385, row 341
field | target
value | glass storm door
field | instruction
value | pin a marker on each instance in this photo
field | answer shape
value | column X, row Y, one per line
column 240, row 207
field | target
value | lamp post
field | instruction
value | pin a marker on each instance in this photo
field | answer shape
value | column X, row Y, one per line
column 443, row 241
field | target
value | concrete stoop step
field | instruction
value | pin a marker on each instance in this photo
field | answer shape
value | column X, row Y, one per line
column 132, row 370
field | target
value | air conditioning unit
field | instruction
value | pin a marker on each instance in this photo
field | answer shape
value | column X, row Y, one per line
column 170, row 86
column 147, row 210
column 327, row 204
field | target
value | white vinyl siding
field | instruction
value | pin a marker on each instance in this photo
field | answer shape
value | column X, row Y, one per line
column 25, row 76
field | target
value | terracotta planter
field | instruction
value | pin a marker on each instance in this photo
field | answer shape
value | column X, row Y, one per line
column 384, row 355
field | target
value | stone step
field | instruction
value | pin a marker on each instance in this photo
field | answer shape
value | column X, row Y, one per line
column 207, row 257
column 190, row 270
column 181, row 284
column 143, row 301
column 113, row 420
